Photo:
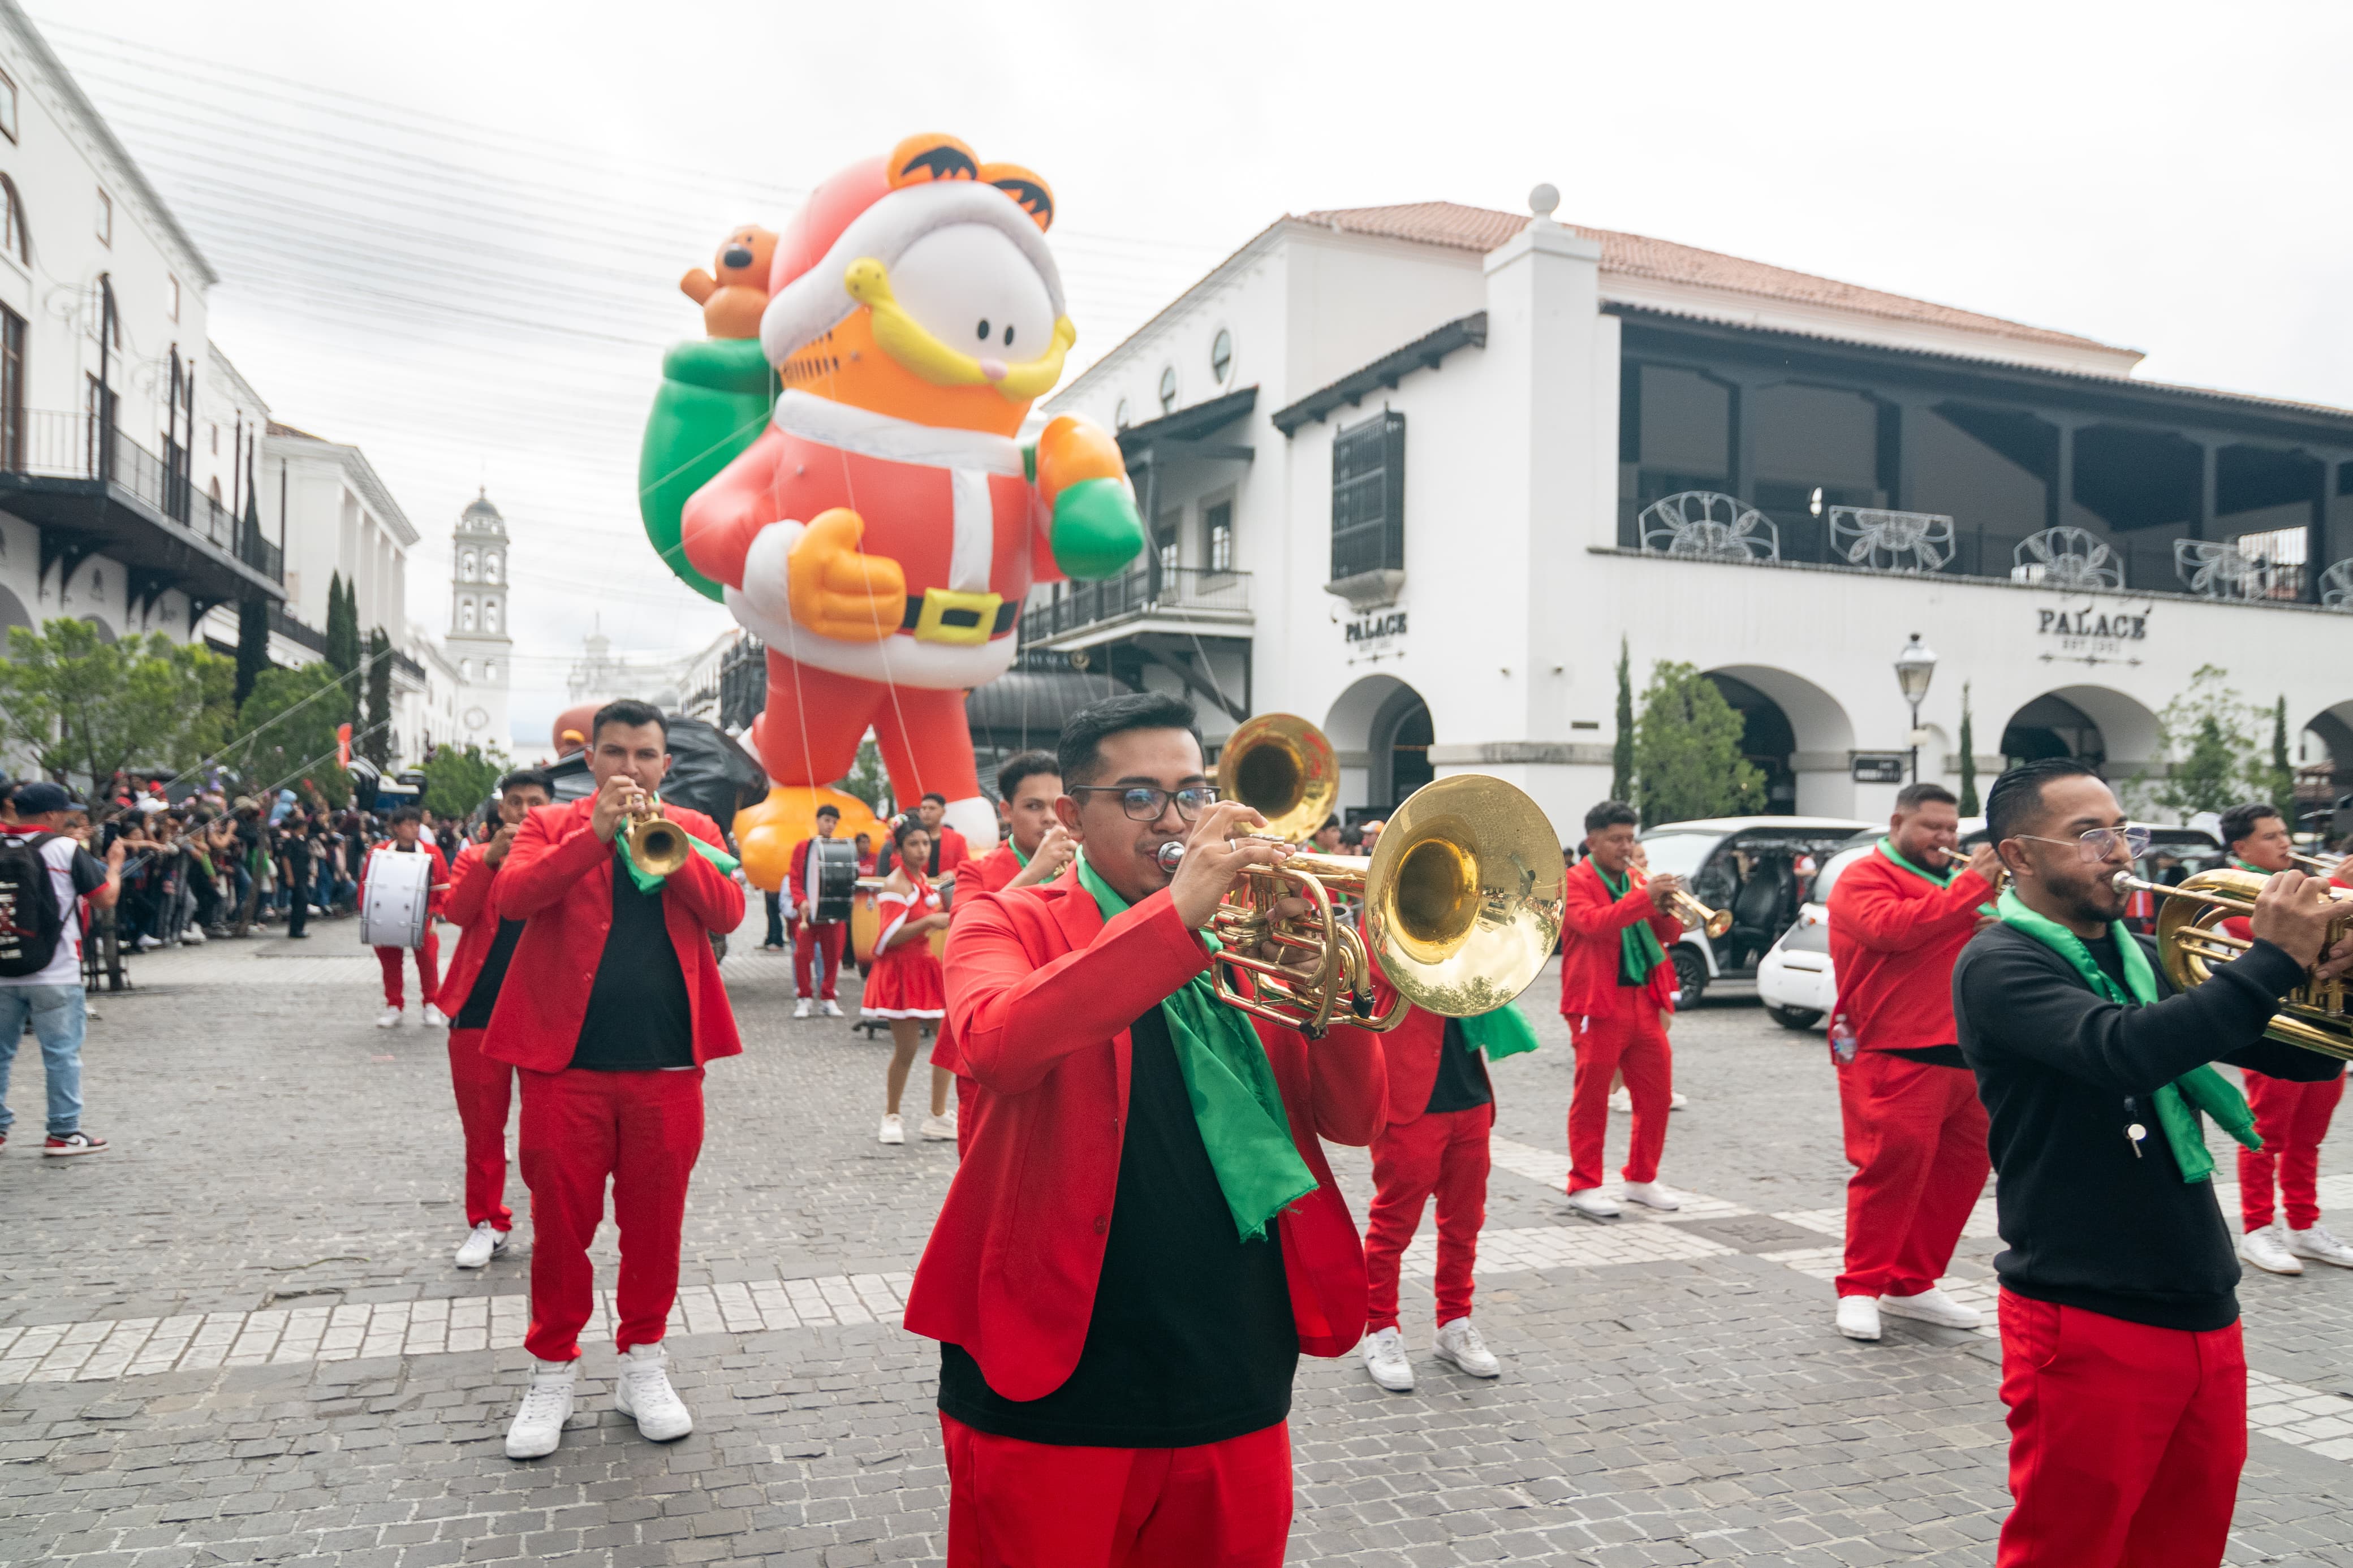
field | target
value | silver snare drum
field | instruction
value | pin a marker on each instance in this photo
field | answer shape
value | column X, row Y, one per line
column 399, row 888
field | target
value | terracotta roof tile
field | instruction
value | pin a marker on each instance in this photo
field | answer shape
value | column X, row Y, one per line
column 1482, row 230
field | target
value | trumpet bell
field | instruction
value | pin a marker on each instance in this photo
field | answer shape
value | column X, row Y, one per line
column 658, row 844
column 1283, row 768
column 2192, row 943
column 1464, row 895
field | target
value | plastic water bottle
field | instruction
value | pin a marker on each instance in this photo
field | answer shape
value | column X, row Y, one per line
column 1843, row 1044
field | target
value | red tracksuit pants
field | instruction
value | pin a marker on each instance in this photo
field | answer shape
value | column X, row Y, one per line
column 643, row 1132
column 808, row 941
column 2125, row 1441
column 1443, row 1152
column 429, row 967
column 485, row 1088
column 1634, row 1042
column 2292, row 1119
column 1916, row 1135
column 1015, row 1504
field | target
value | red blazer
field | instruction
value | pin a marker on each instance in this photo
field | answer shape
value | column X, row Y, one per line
column 1589, row 947
column 1041, row 993
column 472, row 906
column 986, row 875
column 559, row 878
column 436, row 900
column 1893, row 938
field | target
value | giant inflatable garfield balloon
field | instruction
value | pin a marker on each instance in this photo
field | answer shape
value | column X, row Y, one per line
column 880, row 532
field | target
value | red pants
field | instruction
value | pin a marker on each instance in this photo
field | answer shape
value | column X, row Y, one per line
column 2125, row 1441
column 808, row 942
column 2292, row 1119
column 643, row 1129
column 1441, row 1152
column 429, row 965
column 1013, row 1504
column 1915, row 1135
column 1634, row 1042
column 484, row 1089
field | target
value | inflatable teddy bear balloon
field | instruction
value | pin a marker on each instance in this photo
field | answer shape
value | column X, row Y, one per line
column 732, row 301
column 881, row 534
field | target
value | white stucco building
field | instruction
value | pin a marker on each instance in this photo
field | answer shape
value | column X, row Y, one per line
column 1412, row 472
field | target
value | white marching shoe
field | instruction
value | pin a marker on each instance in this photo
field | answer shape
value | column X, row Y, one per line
column 1594, row 1203
column 1651, row 1195
column 643, row 1391
column 940, row 1128
column 803, row 1008
column 893, row 1131
column 2267, row 1251
column 388, row 1019
column 1858, row 1317
column 2320, row 1247
column 485, row 1242
column 538, row 1426
column 435, row 1018
column 1931, row 1306
column 1385, row 1359
column 1459, row 1342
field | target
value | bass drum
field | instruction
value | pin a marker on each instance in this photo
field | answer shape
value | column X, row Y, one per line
column 399, row 892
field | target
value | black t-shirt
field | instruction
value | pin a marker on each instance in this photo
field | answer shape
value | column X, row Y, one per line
column 476, row 1013
column 1461, row 1080
column 639, row 1019
column 1192, row 1339
column 1940, row 1055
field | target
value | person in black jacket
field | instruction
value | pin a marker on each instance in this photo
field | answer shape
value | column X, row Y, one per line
column 2122, row 1364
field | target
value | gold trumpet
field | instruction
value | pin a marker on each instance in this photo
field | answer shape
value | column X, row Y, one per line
column 1717, row 923
column 1462, row 899
column 2317, row 1015
column 2317, row 866
column 656, row 843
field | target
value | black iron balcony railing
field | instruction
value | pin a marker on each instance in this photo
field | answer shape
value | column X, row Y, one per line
column 1178, row 589
column 70, row 446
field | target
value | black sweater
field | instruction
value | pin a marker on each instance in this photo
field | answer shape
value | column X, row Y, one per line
column 2063, row 1071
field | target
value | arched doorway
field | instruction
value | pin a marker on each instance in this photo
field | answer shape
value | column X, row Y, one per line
column 105, row 632
column 1766, row 739
column 2114, row 732
column 12, row 613
column 1797, row 734
column 1381, row 729
column 1401, row 740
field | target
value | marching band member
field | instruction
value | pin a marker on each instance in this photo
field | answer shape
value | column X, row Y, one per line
column 409, row 839
column 2291, row 1117
column 1915, row 1131
column 623, row 1009
column 1613, row 975
column 1143, row 1235
column 486, row 944
column 2122, row 1363
column 949, row 848
column 812, row 938
column 1034, row 852
column 904, row 986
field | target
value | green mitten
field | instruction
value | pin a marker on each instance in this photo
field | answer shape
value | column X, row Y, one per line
column 1096, row 530
column 714, row 402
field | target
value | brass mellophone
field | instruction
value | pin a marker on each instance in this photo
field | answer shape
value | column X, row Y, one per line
column 656, row 843
column 1462, row 894
column 2190, row 942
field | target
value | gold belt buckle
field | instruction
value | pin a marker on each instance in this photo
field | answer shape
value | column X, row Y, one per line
column 963, row 619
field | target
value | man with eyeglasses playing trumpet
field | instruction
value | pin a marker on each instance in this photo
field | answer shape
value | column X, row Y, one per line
column 2292, row 1118
column 1143, row 1235
column 2122, row 1364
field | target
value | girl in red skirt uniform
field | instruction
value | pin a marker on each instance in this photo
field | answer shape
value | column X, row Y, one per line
column 904, row 987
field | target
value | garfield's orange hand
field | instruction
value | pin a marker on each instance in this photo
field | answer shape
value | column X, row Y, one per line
column 836, row 591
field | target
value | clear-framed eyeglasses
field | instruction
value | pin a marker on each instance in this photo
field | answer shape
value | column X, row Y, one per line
column 2100, row 843
column 1142, row 803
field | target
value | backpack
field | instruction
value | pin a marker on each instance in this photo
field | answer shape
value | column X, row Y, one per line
column 30, row 922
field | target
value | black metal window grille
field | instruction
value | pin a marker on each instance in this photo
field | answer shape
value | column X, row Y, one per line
column 1369, row 496
column 12, row 391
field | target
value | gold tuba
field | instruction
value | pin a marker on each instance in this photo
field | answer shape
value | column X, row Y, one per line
column 656, row 843
column 1463, row 898
column 1281, row 767
column 2190, row 941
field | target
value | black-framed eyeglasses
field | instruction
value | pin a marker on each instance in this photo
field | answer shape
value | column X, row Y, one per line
column 2101, row 842
column 1142, row 803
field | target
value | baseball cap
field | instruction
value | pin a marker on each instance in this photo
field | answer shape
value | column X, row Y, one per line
column 40, row 795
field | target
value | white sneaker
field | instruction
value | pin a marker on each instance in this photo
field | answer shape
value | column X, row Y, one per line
column 1622, row 1100
column 1930, row 1306
column 892, row 1131
column 2320, row 1247
column 2268, row 1252
column 149, row 941
column 192, row 937
column 643, row 1391
column 1858, row 1317
column 1651, row 1195
column 485, row 1242
column 830, row 1007
column 388, row 1018
column 940, row 1128
column 1459, row 1342
column 435, row 1018
column 803, row 1008
column 1677, row 1099
column 1385, row 1359
column 538, row 1426
column 1595, row 1204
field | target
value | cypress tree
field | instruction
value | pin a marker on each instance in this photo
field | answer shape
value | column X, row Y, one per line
column 1969, row 757
column 377, row 747
column 1621, row 755
column 2283, row 779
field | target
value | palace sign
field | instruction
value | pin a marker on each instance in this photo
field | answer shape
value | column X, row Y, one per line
column 2087, row 632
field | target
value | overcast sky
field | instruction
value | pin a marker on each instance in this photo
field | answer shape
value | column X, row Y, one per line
column 451, row 233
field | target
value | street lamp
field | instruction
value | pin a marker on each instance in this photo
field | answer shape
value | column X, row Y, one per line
column 1914, row 667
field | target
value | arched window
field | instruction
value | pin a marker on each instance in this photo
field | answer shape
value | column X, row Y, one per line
column 466, row 566
column 465, row 669
column 490, row 567
column 490, row 616
column 466, row 614
column 16, row 237
column 490, row 669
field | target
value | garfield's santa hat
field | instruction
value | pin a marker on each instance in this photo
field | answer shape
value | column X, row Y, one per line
column 876, row 209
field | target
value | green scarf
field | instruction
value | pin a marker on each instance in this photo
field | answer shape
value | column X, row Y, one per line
column 1505, row 1032
column 2242, row 865
column 1023, row 860
column 1236, row 1102
column 1638, row 951
column 1887, row 847
column 2179, row 1102
column 651, row 881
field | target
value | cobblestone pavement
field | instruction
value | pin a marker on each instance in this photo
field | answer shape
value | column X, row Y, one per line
column 235, row 1337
